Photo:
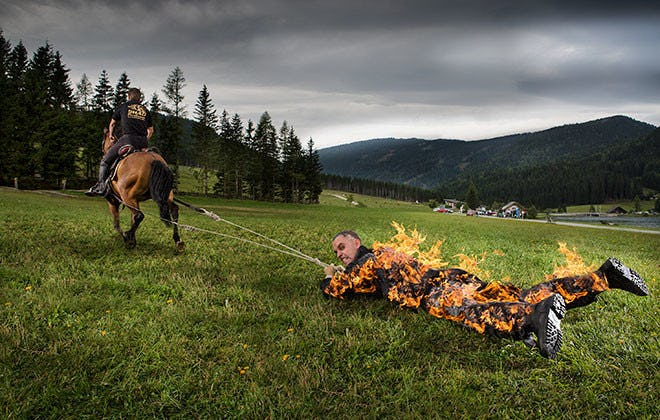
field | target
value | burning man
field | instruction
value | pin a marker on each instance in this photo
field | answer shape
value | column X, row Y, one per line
column 501, row 310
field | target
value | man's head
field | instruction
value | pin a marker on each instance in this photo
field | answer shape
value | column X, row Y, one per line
column 134, row 94
column 346, row 244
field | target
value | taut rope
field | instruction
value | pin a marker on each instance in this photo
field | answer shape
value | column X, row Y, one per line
column 287, row 249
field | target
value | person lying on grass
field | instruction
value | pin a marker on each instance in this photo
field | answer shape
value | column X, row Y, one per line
column 501, row 310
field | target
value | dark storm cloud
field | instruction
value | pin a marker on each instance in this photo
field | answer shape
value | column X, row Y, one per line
column 343, row 70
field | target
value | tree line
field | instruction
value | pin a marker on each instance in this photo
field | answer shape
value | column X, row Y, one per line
column 376, row 188
column 52, row 133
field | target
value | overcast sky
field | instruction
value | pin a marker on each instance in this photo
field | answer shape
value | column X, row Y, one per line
column 347, row 70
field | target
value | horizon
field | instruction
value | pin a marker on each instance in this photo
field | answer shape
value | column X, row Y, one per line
column 488, row 138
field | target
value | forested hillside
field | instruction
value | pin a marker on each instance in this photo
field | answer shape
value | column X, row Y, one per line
column 617, row 172
column 427, row 163
column 610, row 158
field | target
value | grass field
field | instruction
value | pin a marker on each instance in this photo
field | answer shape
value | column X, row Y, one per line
column 229, row 330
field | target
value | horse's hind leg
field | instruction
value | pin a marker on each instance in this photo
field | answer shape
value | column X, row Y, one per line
column 174, row 212
column 136, row 219
column 114, row 210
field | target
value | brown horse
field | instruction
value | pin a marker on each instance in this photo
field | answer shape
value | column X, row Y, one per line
column 140, row 176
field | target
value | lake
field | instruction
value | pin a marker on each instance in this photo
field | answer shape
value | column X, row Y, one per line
column 649, row 222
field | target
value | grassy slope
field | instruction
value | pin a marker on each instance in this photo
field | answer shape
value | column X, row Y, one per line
column 88, row 328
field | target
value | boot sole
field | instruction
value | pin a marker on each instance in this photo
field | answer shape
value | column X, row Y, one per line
column 550, row 336
column 624, row 278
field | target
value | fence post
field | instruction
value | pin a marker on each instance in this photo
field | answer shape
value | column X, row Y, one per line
column 16, row 182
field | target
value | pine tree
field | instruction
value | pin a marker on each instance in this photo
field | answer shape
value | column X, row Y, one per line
column 16, row 68
column 265, row 141
column 103, row 94
column 224, row 158
column 19, row 149
column 155, row 106
column 204, row 136
column 471, row 197
column 241, row 155
column 252, row 162
column 84, row 94
column 171, row 131
column 38, row 106
column 50, row 127
column 292, row 173
column 312, row 184
column 60, row 86
column 121, row 91
column 38, row 76
column 173, row 92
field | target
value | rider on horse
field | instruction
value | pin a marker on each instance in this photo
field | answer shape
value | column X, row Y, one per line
column 136, row 127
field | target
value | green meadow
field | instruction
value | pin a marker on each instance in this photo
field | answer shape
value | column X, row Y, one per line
column 227, row 329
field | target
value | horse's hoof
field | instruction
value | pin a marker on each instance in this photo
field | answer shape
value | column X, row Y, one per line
column 179, row 247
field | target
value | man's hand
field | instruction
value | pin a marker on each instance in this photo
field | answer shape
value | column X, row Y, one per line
column 332, row 269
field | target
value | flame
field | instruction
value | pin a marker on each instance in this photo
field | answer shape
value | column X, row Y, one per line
column 409, row 244
column 362, row 281
column 406, row 273
column 574, row 265
column 471, row 264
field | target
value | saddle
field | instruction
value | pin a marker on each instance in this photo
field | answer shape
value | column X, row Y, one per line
column 122, row 153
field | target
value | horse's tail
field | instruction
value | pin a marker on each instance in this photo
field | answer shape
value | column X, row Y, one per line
column 160, row 185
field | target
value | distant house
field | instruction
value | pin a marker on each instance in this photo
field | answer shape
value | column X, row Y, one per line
column 617, row 210
column 513, row 209
column 452, row 204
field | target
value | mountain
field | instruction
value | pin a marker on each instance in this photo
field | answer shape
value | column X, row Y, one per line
column 434, row 163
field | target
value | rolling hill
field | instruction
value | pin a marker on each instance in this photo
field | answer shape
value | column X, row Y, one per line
column 434, row 163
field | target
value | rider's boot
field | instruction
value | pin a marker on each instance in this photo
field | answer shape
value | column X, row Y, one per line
column 99, row 188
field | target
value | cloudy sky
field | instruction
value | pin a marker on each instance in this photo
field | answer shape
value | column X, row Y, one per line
column 348, row 70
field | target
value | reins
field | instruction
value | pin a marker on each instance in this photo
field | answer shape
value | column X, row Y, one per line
column 287, row 249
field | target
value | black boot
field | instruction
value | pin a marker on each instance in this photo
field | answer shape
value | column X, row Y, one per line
column 546, row 324
column 621, row 277
column 99, row 188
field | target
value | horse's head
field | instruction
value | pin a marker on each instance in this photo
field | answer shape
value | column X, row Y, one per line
column 108, row 140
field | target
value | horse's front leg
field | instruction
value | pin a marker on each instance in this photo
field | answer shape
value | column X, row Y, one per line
column 136, row 219
column 114, row 210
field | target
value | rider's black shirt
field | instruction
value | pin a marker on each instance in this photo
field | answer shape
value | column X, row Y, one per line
column 134, row 117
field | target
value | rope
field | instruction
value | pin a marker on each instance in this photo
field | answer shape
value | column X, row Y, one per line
column 292, row 251
column 295, row 254
column 287, row 249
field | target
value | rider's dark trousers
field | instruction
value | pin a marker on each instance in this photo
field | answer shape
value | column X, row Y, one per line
column 139, row 142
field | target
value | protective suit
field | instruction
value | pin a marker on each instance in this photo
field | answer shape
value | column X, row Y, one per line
column 502, row 310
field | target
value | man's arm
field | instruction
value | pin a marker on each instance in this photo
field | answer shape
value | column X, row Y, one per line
column 360, row 279
column 335, row 284
column 111, row 126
